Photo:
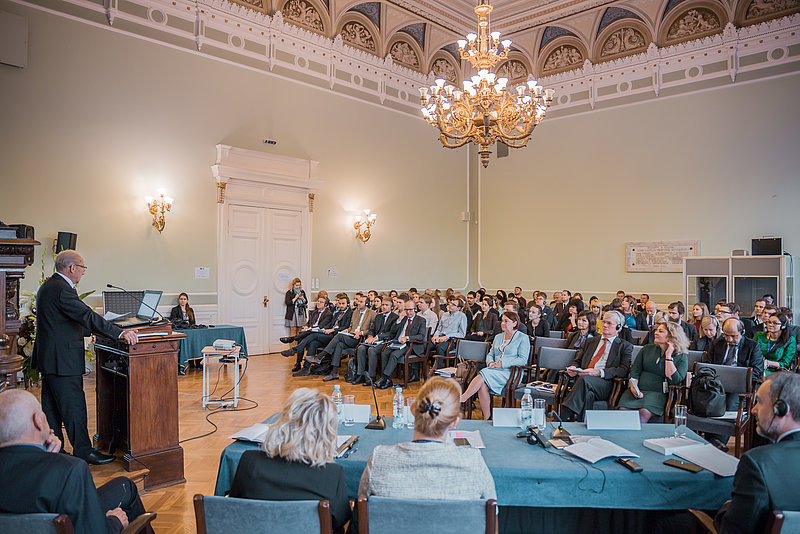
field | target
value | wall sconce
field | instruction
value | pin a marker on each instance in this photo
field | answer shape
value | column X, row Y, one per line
column 363, row 225
column 158, row 209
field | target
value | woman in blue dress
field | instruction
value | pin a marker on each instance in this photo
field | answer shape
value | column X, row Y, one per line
column 510, row 347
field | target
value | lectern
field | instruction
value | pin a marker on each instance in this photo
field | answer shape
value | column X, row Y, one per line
column 137, row 403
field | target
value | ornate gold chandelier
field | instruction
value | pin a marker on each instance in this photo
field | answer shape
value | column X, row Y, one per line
column 485, row 112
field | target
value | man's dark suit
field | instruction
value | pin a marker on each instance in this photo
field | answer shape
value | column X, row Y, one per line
column 418, row 332
column 325, row 322
column 62, row 322
column 366, row 355
column 642, row 321
column 340, row 321
column 588, row 389
column 273, row 479
column 765, row 480
column 36, row 481
column 689, row 329
column 749, row 355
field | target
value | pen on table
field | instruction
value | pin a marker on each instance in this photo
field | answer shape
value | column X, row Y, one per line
column 351, row 451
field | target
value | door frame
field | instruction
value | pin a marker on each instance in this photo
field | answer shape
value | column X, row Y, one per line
column 252, row 178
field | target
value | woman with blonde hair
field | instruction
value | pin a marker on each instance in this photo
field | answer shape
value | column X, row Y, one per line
column 699, row 312
column 429, row 467
column 296, row 306
column 296, row 463
column 658, row 366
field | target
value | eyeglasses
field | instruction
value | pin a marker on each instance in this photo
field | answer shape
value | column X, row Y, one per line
column 81, row 266
column 774, row 323
column 410, row 309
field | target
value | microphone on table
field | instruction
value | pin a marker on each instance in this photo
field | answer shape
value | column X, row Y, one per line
column 559, row 433
column 378, row 423
column 141, row 301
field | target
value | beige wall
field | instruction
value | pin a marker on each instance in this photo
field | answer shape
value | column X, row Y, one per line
column 99, row 120
column 718, row 166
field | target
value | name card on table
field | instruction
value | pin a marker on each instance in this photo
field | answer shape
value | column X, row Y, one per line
column 613, row 420
column 362, row 413
column 507, row 417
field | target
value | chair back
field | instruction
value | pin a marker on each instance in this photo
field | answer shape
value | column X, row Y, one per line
column 556, row 334
column 556, row 359
column 784, row 523
column 36, row 523
column 735, row 380
column 639, row 335
column 694, row 357
column 636, row 350
column 382, row 515
column 557, row 343
column 472, row 350
column 217, row 515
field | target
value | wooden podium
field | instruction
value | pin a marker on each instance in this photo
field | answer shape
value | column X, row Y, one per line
column 137, row 403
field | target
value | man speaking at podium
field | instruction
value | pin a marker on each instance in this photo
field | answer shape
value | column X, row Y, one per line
column 62, row 322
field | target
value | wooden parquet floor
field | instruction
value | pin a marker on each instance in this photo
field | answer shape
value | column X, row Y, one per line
column 267, row 381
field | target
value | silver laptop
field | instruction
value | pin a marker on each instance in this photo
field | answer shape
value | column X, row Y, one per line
column 146, row 312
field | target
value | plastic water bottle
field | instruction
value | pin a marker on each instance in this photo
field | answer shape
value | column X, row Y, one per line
column 526, row 418
column 336, row 397
column 398, row 409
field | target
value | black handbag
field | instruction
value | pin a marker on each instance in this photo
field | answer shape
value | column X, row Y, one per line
column 351, row 370
column 706, row 394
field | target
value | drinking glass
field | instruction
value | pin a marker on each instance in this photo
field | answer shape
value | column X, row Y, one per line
column 410, row 414
column 539, row 418
column 349, row 409
column 680, row 421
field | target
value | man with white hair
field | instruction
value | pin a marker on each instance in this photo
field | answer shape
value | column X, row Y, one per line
column 58, row 354
column 36, row 479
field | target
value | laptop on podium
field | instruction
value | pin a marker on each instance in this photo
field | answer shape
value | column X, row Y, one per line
column 145, row 313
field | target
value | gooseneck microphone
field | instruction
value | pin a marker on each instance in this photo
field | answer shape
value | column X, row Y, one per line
column 378, row 423
column 559, row 433
column 141, row 301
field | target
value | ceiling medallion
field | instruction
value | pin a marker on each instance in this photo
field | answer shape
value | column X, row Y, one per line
column 485, row 112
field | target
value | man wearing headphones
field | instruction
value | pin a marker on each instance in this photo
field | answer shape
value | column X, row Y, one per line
column 596, row 364
column 766, row 478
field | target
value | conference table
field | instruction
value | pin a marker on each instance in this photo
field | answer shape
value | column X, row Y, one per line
column 197, row 338
column 548, row 490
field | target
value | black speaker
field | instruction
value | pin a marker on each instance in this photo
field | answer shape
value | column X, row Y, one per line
column 66, row 241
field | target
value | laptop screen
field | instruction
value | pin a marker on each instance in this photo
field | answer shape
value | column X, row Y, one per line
column 149, row 304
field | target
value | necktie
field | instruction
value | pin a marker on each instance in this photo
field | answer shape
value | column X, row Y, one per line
column 316, row 322
column 406, row 329
column 599, row 354
column 730, row 357
column 650, row 321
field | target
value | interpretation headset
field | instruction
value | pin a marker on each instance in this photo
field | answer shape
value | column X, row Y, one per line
column 780, row 408
column 620, row 319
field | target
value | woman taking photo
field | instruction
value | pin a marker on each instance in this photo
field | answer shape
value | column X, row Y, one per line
column 662, row 364
column 182, row 312
column 428, row 467
column 777, row 345
column 296, row 306
column 709, row 331
column 510, row 347
column 584, row 331
column 296, row 463
column 539, row 327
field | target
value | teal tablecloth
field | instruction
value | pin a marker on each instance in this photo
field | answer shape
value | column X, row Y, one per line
column 197, row 338
column 529, row 476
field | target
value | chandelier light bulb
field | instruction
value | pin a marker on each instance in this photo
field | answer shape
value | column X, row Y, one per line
column 495, row 36
column 471, row 37
column 548, row 93
column 506, row 43
column 440, row 82
column 462, row 43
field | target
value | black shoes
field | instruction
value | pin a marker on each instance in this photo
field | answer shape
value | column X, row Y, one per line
column 384, row 383
column 296, row 368
column 288, row 352
column 287, row 340
column 414, row 377
column 305, row 371
column 359, row 380
column 333, row 375
column 98, row 458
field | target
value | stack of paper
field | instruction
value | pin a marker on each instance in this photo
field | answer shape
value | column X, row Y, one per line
column 474, row 437
column 669, row 445
column 447, row 372
column 711, row 458
column 256, row 433
column 597, row 448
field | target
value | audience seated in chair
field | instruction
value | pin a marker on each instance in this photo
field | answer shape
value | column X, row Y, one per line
column 628, row 304
column 512, row 306
column 710, row 331
column 360, row 323
column 424, row 310
column 676, row 311
column 382, row 329
column 428, row 467
column 452, row 324
column 37, row 479
column 484, row 325
column 411, row 328
column 664, row 362
column 699, row 312
column 568, row 319
column 646, row 319
column 319, row 319
column 584, row 331
column 309, row 344
column 509, row 348
column 539, row 326
column 777, row 345
column 596, row 364
column 296, row 463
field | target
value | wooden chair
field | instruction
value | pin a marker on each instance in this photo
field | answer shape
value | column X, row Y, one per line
column 639, row 336
column 737, row 382
column 550, row 359
column 777, row 523
column 382, row 515
column 410, row 358
column 217, row 515
column 60, row 523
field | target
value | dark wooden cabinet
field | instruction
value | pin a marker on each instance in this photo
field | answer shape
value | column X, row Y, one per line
column 137, row 405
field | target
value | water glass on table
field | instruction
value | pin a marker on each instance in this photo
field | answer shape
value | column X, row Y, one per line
column 410, row 416
column 680, row 414
column 539, row 416
column 349, row 409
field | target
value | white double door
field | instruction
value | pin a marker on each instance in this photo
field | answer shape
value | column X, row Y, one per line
column 263, row 250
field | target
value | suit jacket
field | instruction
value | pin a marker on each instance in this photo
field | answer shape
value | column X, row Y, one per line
column 549, row 316
column 62, row 321
column 176, row 314
column 689, row 329
column 618, row 363
column 765, row 480
column 702, row 343
column 382, row 326
column 344, row 322
column 491, row 325
column 749, row 355
column 573, row 336
column 641, row 321
column 418, row 333
column 36, row 481
column 542, row 329
column 558, row 309
column 259, row 476
column 325, row 321
column 366, row 323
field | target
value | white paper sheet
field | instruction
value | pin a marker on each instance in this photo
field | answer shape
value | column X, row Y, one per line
column 474, row 437
column 255, row 433
column 596, row 449
column 711, row 458
column 506, row 417
column 613, row 420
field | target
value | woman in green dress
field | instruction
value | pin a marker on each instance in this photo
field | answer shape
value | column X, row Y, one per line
column 660, row 365
column 777, row 345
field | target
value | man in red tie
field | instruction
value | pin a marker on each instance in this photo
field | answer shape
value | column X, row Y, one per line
column 596, row 364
